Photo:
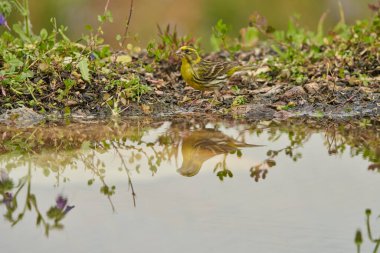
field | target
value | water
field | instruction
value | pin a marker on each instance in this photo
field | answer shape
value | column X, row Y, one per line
column 296, row 186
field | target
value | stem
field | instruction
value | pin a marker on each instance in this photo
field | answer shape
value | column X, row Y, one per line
column 26, row 17
column 21, row 214
column 127, row 24
column 106, row 7
column 90, row 164
column 376, row 247
column 130, row 184
column 369, row 231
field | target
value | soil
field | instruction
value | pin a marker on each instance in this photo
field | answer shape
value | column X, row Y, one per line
column 262, row 99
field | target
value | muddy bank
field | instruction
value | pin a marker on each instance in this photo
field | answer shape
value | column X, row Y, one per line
column 263, row 93
column 293, row 72
column 265, row 103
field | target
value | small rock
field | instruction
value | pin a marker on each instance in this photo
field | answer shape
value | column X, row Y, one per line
column 21, row 117
column 261, row 90
column 273, row 91
column 254, row 111
column 43, row 67
column 71, row 103
column 282, row 115
column 331, row 86
column 294, row 92
column 312, row 88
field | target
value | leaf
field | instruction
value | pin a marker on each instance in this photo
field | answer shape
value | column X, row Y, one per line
column 17, row 28
column 83, row 67
column 124, row 58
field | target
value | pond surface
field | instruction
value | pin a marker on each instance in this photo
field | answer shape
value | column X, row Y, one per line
column 190, row 185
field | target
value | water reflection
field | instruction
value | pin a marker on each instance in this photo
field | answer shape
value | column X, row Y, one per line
column 200, row 145
column 135, row 146
column 15, row 211
column 375, row 240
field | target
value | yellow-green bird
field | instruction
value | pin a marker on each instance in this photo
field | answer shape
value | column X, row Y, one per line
column 206, row 75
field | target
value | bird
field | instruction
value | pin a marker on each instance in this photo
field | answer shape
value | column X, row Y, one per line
column 206, row 75
column 200, row 145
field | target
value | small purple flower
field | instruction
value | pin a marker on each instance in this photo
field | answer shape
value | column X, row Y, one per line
column 61, row 203
column 67, row 209
column 8, row 197
column 3, row 21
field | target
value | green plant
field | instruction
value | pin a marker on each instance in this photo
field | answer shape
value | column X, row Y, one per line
column 239, row 100
column 124, row 90
column 220, row 40
column 169, row 42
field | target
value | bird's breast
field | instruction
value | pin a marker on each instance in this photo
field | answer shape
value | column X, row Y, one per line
column 187, row 75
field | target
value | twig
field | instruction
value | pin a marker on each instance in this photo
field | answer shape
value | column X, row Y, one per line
column 90, row 164
column 130, row 184
column 106, row 7
column 127, row 24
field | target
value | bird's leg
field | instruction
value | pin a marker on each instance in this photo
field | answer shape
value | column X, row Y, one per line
column 200, row 97
column 215, row 97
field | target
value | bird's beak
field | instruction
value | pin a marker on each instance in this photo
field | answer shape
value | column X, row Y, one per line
column 179, row 52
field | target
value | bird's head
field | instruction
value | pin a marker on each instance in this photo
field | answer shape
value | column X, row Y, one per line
column 188, row 54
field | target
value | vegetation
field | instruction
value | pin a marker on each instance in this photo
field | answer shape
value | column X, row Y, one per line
column 49, row 72
column 372, row 239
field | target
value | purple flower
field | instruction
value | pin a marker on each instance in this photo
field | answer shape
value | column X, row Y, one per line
column 61, row 203
column 3, row 21
column 67, row 209
column 7, row 199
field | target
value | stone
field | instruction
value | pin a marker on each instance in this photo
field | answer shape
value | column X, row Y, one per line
column 21, row 117
column 312, row 88
column 295, row 92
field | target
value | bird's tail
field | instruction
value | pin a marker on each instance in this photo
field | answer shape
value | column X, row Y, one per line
column 248, row 67
column 247, row 145
column 244, row 69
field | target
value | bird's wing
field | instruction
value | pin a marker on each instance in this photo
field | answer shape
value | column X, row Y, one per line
column 208, row 70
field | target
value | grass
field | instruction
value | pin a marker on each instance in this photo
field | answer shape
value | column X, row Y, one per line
column 47, row 71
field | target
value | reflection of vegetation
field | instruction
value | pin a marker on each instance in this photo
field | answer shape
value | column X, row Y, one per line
column 371, row 237
column 142, row 143
column 11, row 194
column 59, row 147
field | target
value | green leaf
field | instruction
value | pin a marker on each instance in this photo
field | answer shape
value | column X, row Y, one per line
column 83, row 67
column 17, row 28
column 44, row 34
column 5, row 8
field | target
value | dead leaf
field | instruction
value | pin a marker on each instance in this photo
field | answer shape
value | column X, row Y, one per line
column 146, row 109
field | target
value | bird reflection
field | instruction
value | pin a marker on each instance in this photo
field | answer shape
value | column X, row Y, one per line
column 200, row 145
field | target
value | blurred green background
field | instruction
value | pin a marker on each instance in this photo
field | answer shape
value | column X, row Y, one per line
column 195, row 17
